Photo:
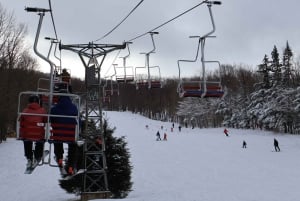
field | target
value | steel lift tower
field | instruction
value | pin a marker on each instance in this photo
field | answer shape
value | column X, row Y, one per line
column 95, row 178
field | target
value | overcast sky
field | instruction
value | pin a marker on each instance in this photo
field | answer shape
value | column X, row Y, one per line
column 246, row 30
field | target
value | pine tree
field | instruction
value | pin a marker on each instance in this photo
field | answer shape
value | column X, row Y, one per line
column 265, row 69
column 118, row 167
column 276, row 66
column 286, row 66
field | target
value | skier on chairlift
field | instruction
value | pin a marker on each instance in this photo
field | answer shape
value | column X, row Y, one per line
column 67, row 108
column 33, row 125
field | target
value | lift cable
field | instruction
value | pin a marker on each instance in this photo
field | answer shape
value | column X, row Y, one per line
column 121, row 21
column 117, row 55
column 139, row 36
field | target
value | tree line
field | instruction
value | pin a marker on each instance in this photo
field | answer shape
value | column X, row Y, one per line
column 275, row 102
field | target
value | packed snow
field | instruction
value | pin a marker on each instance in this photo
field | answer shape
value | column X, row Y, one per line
column 191, row 165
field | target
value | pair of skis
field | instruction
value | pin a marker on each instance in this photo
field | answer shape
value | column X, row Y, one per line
column 63, row 172
column 65, row 175
column 31, row 168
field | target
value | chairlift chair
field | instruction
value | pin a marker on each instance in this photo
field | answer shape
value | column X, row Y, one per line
column 124, row 74
column 149, row 81
column 110, row 87
column 201, row 88
column 23, row 131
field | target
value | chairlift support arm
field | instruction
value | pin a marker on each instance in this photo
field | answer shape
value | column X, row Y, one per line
column 55, row 41
column 147, row 55
column 41, row 13
column 124, row 58
column 202, row 41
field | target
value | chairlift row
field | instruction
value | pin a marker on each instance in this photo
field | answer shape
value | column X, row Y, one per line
column 143, row 77
column 201, row 87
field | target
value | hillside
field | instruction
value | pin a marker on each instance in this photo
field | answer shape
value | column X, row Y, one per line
column 194, row 164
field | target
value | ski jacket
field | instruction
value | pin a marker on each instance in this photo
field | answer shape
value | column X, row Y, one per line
column 64, row 128
column 64, row 107
column 32, row 126
column 65, row 77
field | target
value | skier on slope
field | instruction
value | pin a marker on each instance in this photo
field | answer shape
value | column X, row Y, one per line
column 158, row 136
column 165, row 136
column 276, row 145
column 226, row 132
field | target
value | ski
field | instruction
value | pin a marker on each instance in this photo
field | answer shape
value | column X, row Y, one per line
column 69, row 177
column 62, row 171
column 73, row 183
column 30, row 169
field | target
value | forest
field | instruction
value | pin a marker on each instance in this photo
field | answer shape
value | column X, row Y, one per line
column 263, row 97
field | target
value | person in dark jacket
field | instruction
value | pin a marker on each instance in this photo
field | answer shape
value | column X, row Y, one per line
column 158, row 136
column 179, row 128
column 66, row 78
column 276, row 145
column 67, row 108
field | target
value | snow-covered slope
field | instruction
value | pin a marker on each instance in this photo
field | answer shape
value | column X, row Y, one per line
column 194, row 164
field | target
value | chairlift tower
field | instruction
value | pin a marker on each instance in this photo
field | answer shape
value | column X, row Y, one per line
column 95, row 183
column 95, row 178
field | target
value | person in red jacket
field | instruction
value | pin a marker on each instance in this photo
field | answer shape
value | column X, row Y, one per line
column 226, row 132
column 32, row 130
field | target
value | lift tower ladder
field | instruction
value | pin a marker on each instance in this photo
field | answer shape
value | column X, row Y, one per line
column 95, row 179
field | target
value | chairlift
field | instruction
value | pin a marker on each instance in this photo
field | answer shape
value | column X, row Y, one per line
column 57, row 81
column 57, row 87
column 147, row 80
column 106, row 99
column 46, row 132
column 23, row 131
column 201, row 88
column 110, row 87
column 124, row 74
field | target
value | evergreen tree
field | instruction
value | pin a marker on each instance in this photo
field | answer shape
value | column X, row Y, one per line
column 118, row 167
column 265, row 69
column 286, row 66
column 276, row 66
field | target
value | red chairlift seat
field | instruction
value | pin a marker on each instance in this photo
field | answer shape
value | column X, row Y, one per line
column 214, row 89
column 153, row 84
column 123, row 79
column 194, row 89
column 108, row 92
column 106, row 99
column 62, row 132
column 190, row 89
column 156, row 84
